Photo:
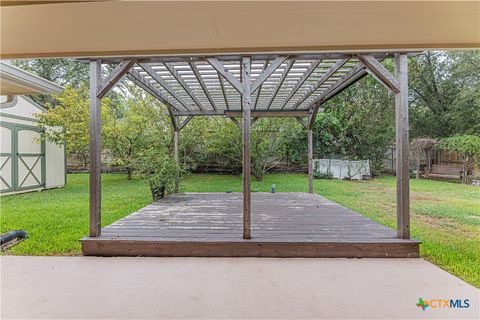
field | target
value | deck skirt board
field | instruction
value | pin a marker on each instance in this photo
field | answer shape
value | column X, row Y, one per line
column 283, row 225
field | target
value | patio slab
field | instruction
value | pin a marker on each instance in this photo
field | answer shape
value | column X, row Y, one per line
column 207, row 288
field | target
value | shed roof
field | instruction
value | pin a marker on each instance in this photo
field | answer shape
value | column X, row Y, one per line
column 15, row 81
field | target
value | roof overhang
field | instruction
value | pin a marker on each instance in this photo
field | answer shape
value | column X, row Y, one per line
column 15, row 81
column 116, row 28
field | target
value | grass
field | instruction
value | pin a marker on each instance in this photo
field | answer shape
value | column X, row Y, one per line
column 445, row 216
column 56, row 219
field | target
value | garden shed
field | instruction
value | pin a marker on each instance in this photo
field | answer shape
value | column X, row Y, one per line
column 27, row 161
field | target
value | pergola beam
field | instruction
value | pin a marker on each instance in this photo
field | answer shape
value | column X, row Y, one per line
column 224, row 93
column 254, row 114
column 182, row 83
column 230, row 77
column 311, row 119
column 184, row 122
column 145, row 85
column 164, row 99
column 353, row 75
column 118, row 72
column 267, row 72
column 302, row 122
column 237, row 123
column 238, row 57
column 321, row 81
column 357, row 73
column 163, row 84
column 265, row 65
column 270, row 114
column 380, row 72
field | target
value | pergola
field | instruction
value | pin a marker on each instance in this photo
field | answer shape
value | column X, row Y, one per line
column 248, row 87
column 243, row 60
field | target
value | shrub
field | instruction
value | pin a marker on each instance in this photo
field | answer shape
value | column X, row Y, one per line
column 323, row 175
column 159, row 169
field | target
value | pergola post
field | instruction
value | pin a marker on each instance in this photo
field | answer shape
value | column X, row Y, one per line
column 402, row 147
column 310, row 159
column 246, row 104
column 95, row 150
column 176, row 137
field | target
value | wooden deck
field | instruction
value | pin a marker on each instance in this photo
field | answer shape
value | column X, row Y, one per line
column 283, row 225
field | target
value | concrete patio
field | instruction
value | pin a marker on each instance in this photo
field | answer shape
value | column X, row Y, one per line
column 119, row 288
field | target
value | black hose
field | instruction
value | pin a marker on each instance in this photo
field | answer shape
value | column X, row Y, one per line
column 12, row 235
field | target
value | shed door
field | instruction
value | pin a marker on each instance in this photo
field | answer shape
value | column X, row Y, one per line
column 6, row 158
column 23, row 158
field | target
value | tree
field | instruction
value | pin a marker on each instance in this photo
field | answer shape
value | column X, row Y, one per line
column 358, row 124
column 62, row 71
column 468, row 146
column 71, row 113
column 266, row 144
column 445, row 93
column 194, row 137
column 143, row 124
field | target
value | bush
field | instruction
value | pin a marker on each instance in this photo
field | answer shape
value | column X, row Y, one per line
column 323, row 175
column 159, row 169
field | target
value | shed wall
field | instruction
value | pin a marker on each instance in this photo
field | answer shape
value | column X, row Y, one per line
column 27, row 162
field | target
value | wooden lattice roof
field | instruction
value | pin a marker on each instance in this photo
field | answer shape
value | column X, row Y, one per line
column 211, row 85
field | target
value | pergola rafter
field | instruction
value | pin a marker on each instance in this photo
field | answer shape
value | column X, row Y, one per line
column 171, row 68
column 201, row 81
column 259, row 91
column 334, row 68
column 148, row 69
column 302, row 80
column 267, row 72
column 281, row 85
column 197, row 85
column 142, row 83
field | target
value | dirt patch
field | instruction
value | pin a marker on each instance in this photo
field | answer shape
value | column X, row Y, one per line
column 445, row 224
column 424, row 197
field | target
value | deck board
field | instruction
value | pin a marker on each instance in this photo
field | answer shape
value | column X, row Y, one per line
column 283, row 225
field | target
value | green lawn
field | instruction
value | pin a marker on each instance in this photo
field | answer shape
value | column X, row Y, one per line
column 445, row 216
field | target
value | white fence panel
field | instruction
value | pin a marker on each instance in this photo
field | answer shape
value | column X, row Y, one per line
column 342, row 169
